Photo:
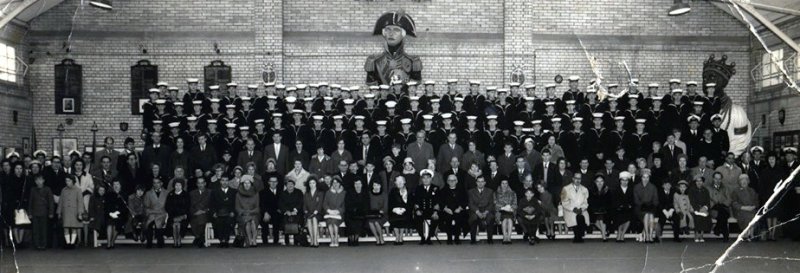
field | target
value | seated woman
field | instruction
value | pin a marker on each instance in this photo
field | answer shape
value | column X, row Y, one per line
column 622, row 205
column 744, row 201
column 135, row 223
column 550, row 211
column 700, row 199
column 178, row 205
column 291, row 207
column 247, row 210
column 645, row 200
column 529, row 215
column 454, row 203
column 312, row 206
column 683, row 208
column 334, row 209
column 400, row 208
column 599, row 203
column 376, row 216
column 505, row 202
column 356, row 205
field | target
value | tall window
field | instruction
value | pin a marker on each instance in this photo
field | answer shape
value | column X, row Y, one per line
column 8, row 63
column 770, row 68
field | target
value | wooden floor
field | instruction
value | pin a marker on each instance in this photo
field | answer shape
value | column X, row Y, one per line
column 549, row 256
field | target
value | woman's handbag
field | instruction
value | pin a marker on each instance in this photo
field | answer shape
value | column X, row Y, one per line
column 21, row 217
column 291, row 225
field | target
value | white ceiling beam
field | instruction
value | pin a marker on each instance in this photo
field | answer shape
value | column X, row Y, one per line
column 7, row 17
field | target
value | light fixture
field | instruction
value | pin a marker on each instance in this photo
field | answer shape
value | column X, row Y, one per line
column 103, row 4
column 680, row 7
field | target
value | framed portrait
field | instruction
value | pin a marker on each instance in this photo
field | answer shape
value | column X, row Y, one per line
column 141, row 104
column 26, row 145
column 68, row 105
column 69, row 144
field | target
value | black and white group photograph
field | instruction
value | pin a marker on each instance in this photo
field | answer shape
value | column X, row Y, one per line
column 399, row 136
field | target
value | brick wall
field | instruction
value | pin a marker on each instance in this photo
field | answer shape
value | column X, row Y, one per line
column 767, row 101
column 15, row 97
column 328, row 40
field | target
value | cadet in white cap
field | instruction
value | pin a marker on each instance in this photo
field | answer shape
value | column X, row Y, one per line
column 573, row 93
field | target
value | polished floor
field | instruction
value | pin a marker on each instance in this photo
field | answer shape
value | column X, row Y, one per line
column 556, row 256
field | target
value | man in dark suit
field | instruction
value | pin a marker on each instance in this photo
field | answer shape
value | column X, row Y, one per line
column 506, row 161
column 420, row 151
column 610, row 173
column 106, row 173
column 129, row 175
column 426, row 208
column 447, row 151
column 453, row 168
column 371, row 176
column 481, row 210
column 670, row 153
column 109, row 151
column 223, row 209
column 269, row 206
column 493, row 176
column 199, row 200
column 156, row 153
column 250, row 154
column 366, row 152
column 130, row 148
column 279, row 152
column 517, row 176
column 546, row 172
column 203, row 155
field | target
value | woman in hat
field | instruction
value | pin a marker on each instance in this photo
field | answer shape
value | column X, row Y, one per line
column 333, row 204
column 356, row 206
column 744, row 202
column 85, row 183
column 599, row 204
column 622, row 205
column 505, row 202
column 700, row 199
column 400, row 208
column 410, row 174
column 70, row 210
column 291, row 206
column 236, row 180
column 312, row 206
column 683, row 207
column 247, row 211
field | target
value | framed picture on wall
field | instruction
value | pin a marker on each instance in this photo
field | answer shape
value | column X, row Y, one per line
column 26, row 145
column 68, row 105
column 141, row 104
column 69, row 144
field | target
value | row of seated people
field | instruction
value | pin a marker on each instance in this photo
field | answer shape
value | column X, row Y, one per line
column 642, row 194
